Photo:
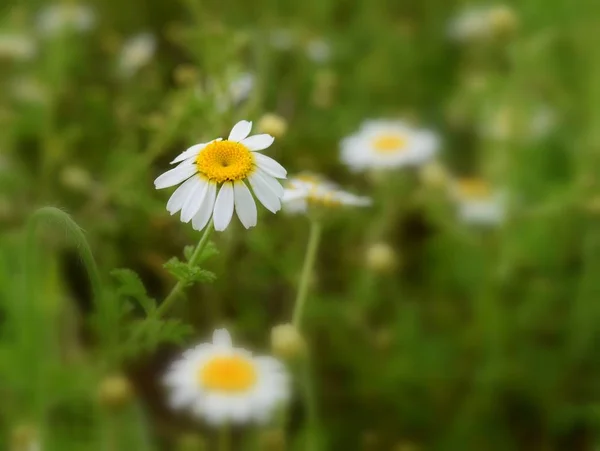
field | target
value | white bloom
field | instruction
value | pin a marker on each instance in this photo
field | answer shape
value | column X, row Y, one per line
column 136, row 53
column 318, row 51
column 307, row 190
column 505, row 123
column 224, row 384
column 237, row 91
column 224, row 166
column 16, row 47
column 470, row 24
column 381, row 144
column 477, row 202
column 58, row 17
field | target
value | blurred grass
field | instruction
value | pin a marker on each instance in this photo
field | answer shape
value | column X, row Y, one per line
column 479, row 339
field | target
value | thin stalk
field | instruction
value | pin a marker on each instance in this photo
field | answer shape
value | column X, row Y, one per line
column 175, row 292
column 309, row 262
column 224, row 438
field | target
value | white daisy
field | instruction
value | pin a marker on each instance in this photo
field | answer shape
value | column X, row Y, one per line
column 137, row 51
column 311, row 191
column 318, row 51
column 470, row 24
column 224, row 384
column 477, row 202
column 383, row 144
column 58, row 17
column 224, row 166
column 17, row 47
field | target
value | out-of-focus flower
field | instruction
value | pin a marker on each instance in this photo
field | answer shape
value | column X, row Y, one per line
column 272, row 124
column 115, row 391
column 241, row 87
column 286, row 342
column 18, row 47
column 477, row 202
column 235, row 93
column 308, row 191
column 433, row 174
column 66, row 16
column 482, row 22
column 505, row 124
column 318, row 50
column 224, row 166
column 137, row 51
column 281, row 39
column 381, row 257
column 224, row 384
column 388, row 144
column 25, row 437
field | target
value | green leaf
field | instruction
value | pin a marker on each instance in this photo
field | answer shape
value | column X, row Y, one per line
column 187, row 274
column 209, row 251
column 131, row 286
column 147, row 334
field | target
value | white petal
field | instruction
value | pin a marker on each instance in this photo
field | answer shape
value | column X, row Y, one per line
column 270, row 166
column 178, row 198
column 240, row 131
column 206, row 207
column 264, row 194
column 223, row 207
column 175, row 176
column 190, row 152
column 245, row 207
column 272, row 183
column 258, row 142
column 222, row 338
column 194, row 199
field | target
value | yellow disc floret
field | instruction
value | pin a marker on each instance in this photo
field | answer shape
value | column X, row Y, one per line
column 229, row 374
column 225, row 161
column 389, row 143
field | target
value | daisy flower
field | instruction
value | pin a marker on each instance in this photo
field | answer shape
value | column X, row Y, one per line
column 58, row 17
column 224, row 384
column 224, row 166
column 386, row 144
column 477, row 202
column 307, row 190
column 136, row 53
column 469, row 24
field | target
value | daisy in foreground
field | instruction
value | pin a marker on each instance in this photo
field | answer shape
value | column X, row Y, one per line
column 386, row 144
column 213, row 178
column 477, row 202
column 307, row 191
column 224, row 384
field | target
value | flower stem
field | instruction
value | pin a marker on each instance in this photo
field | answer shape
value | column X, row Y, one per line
column 174, row 294
column 224, row 438
column 309, row 261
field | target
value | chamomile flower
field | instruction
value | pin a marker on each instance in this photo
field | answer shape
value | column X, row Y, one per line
column 58, row 17
column 214, row 177
column 477, row 202
column 224, row 384
column 137, row 51
column 483, row 22
column 388, row 144
column 307, row 191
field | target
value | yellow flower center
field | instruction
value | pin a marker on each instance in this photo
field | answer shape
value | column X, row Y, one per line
column 229, row 374
column 474, row 189
column 225, row 161
column 389, row 143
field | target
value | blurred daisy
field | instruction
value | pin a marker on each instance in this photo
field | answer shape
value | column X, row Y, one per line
column 17, row 47
column 387, row 144
column 318, row 51
column 235, row 93
column 477, row 202
column 224, row 384
column 505, row 123
column 58, row 17
column 311, row 191
column 224, row 166
column 137, row 51
column 482, row 22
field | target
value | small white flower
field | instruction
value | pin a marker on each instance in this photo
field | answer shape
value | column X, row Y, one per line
column 224, row 384
column 477, row 202
column 318, row 51
column 224, row 166
column 235, row 93
column 387, row 144
column 307, row 190
column 58, row 17
column 18, row 47
column 504, row 123
column 137, row 51
column 470, row 24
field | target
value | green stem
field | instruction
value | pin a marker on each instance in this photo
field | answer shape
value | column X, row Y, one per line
column 175, row 292
column 311, row 405
column 224, row 438
column 309, row 261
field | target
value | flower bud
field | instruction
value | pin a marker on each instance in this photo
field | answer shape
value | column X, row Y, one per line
column 273, row 125
column 115, row 391
column 286, row 342
column 433, row 175
column 381, row 257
